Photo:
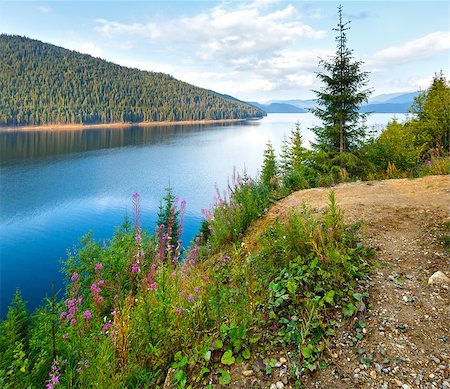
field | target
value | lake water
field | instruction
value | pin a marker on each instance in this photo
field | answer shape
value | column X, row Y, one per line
column 57, row 186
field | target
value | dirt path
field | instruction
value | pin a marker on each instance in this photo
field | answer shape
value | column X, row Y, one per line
column 406, row 338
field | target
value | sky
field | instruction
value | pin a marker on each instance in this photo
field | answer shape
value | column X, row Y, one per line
column 257, row 50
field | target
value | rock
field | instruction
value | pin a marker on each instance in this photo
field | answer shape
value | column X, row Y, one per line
column 247, row 373
column 435, row 360
column 398, row 383
column 373, row 374
column 279, row 385
column 406, row 386
column 283, row 360
column 273, row 386
column 438, row 278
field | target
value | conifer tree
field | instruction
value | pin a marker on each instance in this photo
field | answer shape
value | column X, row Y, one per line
column 339, row 99
column 269, row 168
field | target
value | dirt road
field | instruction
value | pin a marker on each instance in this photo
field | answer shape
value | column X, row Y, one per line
column 406, row 338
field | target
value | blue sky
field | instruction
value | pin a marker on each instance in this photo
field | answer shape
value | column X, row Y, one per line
column 256, row 50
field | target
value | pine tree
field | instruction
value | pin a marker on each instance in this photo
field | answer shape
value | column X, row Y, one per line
column 168, row 216
column 269, row 168
column 339, row 99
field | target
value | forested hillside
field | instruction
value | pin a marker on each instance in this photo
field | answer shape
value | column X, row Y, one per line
column 45, row 84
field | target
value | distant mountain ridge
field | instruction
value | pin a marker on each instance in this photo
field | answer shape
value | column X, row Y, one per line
column 386, row 103
column 278, row 107
column 44, row 84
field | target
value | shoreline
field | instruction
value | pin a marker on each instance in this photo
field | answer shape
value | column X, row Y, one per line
column 71, row 127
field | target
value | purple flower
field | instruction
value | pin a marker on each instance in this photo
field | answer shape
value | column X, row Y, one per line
column 101, row 283
column 106, row 327
column 87, row 315
column 135, row 195
column 179, row 310
column 99, row 299
column 116, row 297
column 152, row 286
column 191, row 298
column 134, row 267
column 196, row 289
column 63, row 315
column 65, row 336
column 74, row 277
column 73, row 322
column 98, row 267
column 330, row 229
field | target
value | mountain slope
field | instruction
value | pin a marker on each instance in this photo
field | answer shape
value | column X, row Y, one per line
column 45, row 84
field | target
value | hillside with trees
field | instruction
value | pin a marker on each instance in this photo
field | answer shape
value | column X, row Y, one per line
column 44, row 84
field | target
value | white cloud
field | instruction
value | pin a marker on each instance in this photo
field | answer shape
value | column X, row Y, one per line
column 418, row 49
column 226, row 32
column 91, row 49
column 44, row 9
column 252, row 47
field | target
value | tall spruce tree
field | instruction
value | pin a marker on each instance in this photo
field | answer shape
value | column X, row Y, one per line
column 339, row 99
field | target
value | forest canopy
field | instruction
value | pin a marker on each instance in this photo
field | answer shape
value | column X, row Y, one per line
column 45, row 84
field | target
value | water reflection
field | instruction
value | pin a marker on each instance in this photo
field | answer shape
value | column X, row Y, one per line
column 19, row 146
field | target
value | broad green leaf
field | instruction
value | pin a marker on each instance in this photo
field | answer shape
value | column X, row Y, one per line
column 227, row 358
column 225, row 377
column 329, row 297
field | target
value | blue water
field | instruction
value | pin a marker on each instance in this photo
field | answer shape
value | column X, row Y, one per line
column 57, row 186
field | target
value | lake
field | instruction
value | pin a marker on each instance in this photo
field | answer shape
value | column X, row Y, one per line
column 57, row 186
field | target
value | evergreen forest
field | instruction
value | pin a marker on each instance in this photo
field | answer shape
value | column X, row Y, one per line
column 43, row 84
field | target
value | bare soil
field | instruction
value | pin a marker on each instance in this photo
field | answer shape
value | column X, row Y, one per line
column 406, row 334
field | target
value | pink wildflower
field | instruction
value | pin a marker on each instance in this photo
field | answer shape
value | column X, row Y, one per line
column 98, row 267
column 74, row 277
column 191, row 298
column 87, row 315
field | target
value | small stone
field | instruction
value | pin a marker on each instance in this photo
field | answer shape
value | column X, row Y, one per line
column 334, row 355
column 357, row 370
column 431, row 376
column 398, row 383
column 435, row 360
column 406, row 386
column 373, row 374
column 273, row 386
column 377, row 367
column 247, row 373
column 356, row 376
column 446, row 385
column 279, row 385
column 283, row 360
column 438, row 278
column 278, row 364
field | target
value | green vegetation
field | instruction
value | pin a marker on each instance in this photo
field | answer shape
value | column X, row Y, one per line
column 45, row 84
column 134, row 310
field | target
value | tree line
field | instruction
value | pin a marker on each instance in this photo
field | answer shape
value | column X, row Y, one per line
column 45, row 84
